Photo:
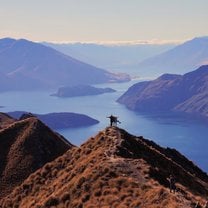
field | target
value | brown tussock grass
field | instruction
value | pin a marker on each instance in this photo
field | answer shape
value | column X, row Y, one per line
column 103, row 172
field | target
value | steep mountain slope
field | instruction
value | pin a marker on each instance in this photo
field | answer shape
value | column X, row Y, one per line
column 187, row 93
column 26, row 146
column 181, row 59
column 113, row 169
column 5, row 120
column 30, row 65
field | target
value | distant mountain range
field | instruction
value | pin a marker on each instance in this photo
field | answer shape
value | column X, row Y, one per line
column 186, row 93
column 28, row 65
column 179, row 60
column 123, row 57
column 26, row 146
column 112, row 169
column 25, row 64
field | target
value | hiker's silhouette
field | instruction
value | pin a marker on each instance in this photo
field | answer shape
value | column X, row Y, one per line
column 113, row 120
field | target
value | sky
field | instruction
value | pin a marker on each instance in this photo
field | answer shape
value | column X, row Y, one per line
column 103, row 20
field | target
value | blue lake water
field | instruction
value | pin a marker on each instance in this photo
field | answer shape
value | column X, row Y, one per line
column 190, row 137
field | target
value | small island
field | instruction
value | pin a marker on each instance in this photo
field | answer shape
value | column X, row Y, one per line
column 81, row 90
column 60, row 120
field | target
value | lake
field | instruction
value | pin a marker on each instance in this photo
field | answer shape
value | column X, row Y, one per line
column 186, row 135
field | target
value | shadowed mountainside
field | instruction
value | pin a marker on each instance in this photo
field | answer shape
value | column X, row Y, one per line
column 181, row 93
column 60, row 120
column 25, row 146
column 113, row 169
column 28, row 65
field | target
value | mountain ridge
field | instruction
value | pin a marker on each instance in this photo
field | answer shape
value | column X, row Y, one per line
column 113, row 168
column 25, row 146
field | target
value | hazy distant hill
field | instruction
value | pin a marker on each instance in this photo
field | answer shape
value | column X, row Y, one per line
column 5, row 82
column 185, row 93
column 81, row 90
column 113, row 169
column 29, row 65
column 116, row 57
column 25, row 146
column 60, row 120
column 181, row 59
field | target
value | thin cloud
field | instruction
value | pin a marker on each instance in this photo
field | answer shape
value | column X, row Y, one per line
column 131, row 42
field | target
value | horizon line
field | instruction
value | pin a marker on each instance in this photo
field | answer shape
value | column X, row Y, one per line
column 112, row 42
column 122, row 43
column 106, row 42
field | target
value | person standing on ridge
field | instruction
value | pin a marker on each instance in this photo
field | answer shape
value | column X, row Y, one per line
column 113, row 120
column 172, row 182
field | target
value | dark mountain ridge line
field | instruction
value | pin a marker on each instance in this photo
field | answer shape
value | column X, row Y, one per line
column 103, row 169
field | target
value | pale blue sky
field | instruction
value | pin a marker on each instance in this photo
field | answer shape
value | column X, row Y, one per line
column 103, row 20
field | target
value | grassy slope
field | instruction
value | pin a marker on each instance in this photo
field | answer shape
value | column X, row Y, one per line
column 25, row 146
column 113, row 169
